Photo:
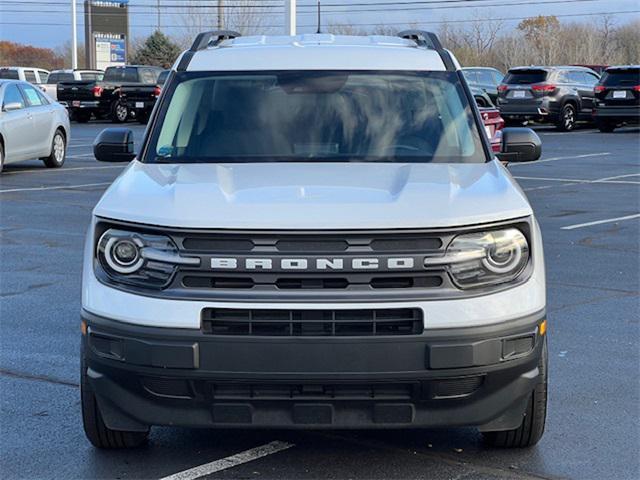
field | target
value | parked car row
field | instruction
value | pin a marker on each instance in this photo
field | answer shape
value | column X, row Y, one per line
column 118, row 93
column 562, row 95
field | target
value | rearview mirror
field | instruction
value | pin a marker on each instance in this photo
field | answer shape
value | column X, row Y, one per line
column 10, row 107
column 520, row 145
column 114, row 145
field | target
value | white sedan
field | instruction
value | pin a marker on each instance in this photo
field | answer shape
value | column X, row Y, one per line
column 32, row 125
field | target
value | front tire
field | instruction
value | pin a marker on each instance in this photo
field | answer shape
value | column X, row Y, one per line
column 119, row 112
column 531, row 429
column 58, row 151
column 567, row 120
column 95, row 429
column 1, row 157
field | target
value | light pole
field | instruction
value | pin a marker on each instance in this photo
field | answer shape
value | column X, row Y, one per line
column 220, row 16
column 74, row 35
column 290, row 17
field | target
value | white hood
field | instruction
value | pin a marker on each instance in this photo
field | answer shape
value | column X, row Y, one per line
column 310, row 196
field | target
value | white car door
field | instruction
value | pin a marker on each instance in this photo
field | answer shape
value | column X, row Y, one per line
column 17, row 124
column 42, row 117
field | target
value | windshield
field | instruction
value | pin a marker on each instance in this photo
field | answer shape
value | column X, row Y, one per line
column 316, row 116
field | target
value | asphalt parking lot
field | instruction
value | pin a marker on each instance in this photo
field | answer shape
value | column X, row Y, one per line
column 586, row 194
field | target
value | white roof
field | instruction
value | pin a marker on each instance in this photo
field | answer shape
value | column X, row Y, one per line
column 316, row 52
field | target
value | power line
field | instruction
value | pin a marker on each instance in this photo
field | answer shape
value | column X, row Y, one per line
column 184, row 9
column 341, row 7
column 436, row 22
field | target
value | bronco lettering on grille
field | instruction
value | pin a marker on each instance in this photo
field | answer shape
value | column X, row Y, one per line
column 301, row 264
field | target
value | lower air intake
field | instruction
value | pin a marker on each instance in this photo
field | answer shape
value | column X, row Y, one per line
column 312, row 323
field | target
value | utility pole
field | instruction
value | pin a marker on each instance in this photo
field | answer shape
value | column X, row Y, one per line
column 290, row 17
column 74, row 35
column 220, row 15
column 158, row 15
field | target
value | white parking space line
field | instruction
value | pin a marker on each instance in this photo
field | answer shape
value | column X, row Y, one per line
column 45, row 170
column 600, row 222
column 579, row 180
column 564, row 134
column 58, row 187
column 80, row 145
column 555, row 159
column 230, row 462
column 617, row 176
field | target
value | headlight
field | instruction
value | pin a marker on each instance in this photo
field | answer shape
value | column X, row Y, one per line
column 139, row 259
column 485, row 258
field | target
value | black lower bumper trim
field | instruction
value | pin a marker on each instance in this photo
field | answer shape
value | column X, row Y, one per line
column 450, row 377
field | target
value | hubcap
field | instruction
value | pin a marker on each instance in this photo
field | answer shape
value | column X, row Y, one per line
column 121, row 112
column 58, row 148
column 568, row 117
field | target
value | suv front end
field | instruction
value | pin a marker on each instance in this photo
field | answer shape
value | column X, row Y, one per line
column 339, row 281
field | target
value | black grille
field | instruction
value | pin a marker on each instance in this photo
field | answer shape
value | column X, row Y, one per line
column 319, row 244
column 312, row 323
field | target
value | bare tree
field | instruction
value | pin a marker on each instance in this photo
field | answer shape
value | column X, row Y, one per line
column 243, row 16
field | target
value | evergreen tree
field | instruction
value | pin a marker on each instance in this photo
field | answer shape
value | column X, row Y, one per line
column 157, row 50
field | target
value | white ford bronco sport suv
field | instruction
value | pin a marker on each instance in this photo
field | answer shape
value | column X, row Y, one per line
column 314, row 234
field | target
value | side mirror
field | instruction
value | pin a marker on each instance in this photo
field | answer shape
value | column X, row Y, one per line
column 11, row 107
column 520, row 145
column 114, row 145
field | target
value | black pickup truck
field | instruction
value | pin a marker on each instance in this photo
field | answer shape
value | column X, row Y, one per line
column 108, row 98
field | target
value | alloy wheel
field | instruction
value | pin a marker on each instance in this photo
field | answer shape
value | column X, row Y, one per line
column 58, row 148
column 569, row 118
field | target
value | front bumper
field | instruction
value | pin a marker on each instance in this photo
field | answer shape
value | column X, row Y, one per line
column 471, row 376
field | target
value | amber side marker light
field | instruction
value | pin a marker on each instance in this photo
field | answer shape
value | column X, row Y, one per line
column 83, row 328
column 543, row 327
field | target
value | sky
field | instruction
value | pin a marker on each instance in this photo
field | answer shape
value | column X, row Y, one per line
column 47, row 23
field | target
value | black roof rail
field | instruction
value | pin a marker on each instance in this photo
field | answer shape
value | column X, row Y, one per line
column 431, row 41
column 422, row 38
column 212, row 38
column 205, row 40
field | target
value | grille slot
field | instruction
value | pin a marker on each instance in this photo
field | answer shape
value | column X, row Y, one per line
column 457, row 387
column 285, row 391
column 311, row 282
column 312, row 323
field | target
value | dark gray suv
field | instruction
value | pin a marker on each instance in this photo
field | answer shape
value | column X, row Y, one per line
column 559, row 95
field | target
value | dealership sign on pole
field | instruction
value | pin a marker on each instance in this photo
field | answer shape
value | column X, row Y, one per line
column 106, row 33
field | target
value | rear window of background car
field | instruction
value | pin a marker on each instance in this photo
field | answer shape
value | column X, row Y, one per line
column 7, row 74
column 525, row 76
column 60, row 77
column 91, row 76
column 622, row 77
column 121, row 74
